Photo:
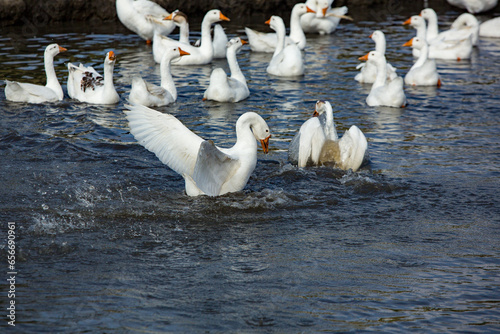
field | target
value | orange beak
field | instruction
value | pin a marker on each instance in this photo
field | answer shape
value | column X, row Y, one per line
column 265, row 144
column 222, row 17
column 112, row 55
column 268, row 22
column 324, row 10
column 183, row 53
column 243, row 41
column 371, row 35
column 61, row 49
column 170, row 17
column 409, row 43
column 315, row 113
column 365, row 57
column 309, row 10
column 407, row 22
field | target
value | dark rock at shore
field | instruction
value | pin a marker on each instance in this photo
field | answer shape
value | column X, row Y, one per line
column 39, row 13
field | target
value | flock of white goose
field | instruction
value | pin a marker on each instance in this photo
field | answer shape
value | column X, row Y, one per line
column 211, row 170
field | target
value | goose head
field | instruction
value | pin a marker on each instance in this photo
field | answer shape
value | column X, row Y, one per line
column 373, row 56
column 415, row 21
column 416, row 43
column 301, row 9
column 258, row 126
column 110, row 58
column 428, row 13
column 322, row 7
column 276, row 23
column 214, row 16
column 178, row 17
column 174, row 53
column 377, row 36
column 321, row 108
column 54, row 49
column 236, row 43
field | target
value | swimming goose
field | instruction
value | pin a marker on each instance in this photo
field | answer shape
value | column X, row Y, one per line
column 228, row 89
column 441, row 48
column 266, row 42
column 384, row 93
column 368, row 71
column 206, row 168
column 326, row 19
column 31, row 93
column 197, row 55
column 317, row 142
column 464, row 26
column 474, row 6
column 86, row 85
column 148, row 94
column 142, row 17
column 286, row 60
column 423, row 72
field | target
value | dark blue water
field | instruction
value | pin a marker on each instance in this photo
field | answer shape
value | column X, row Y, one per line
column 107, row 240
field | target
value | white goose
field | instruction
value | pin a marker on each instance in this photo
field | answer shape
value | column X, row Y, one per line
column 464, row 26
column 326, row 19
column 228, row 89
column 206, row 168
column 86, row 85
column 219, row 38
column 197, row 55
column 317, row 142
column 441, row 49
column 368, row 72
column 266, row 42
column 383, row 93
column 286, row 60
column 423, row 72
column 143, row 17
column 490, row 28
column 31, row 93
column 474, row 6
column 148, row 94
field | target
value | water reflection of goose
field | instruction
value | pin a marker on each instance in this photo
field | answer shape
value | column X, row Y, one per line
column 31, row 93
column 206, row 168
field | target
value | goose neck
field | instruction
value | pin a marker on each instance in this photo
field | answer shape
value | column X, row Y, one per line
column 233, row 65
column 380, row 79
column 167, row 82
column 280, row 44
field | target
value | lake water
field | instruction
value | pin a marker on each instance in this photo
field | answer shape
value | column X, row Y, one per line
column 107, row 240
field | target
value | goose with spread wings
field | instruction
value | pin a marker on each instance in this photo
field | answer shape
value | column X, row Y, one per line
column 207, row 169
